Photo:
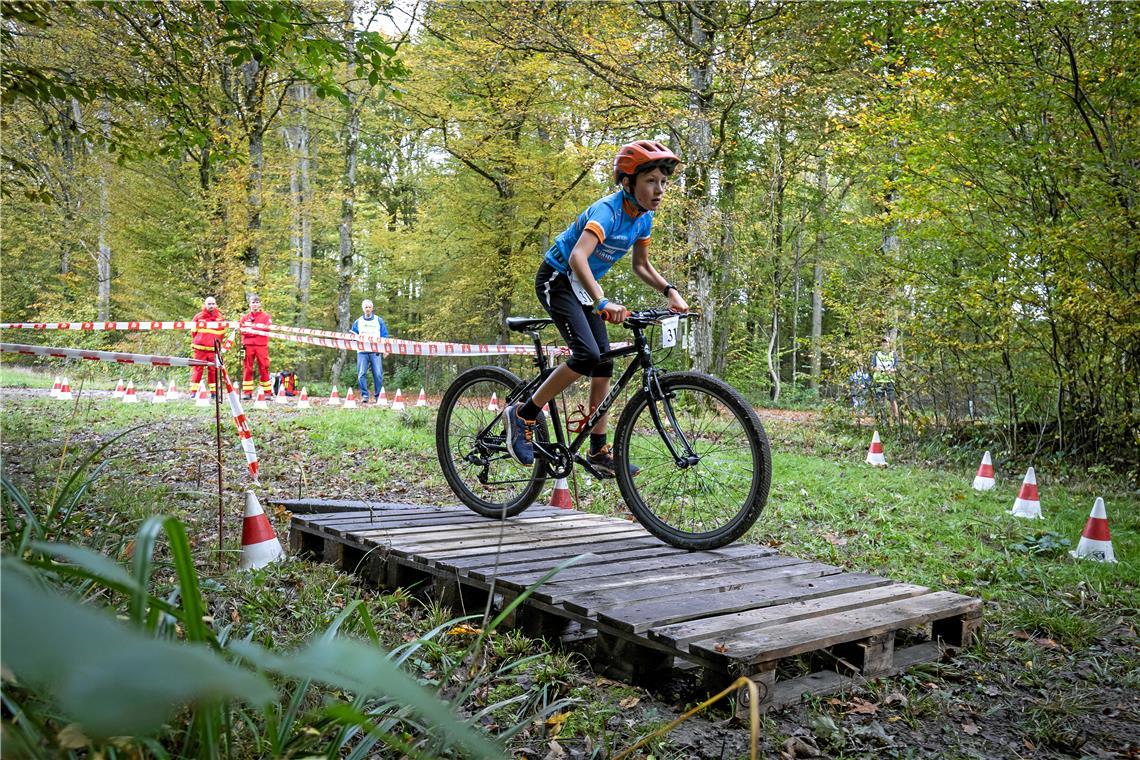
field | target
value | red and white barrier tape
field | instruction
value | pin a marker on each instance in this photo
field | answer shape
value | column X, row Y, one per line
column 244, row 433
column 102, row 356
column 389, row 346
column 326, row 338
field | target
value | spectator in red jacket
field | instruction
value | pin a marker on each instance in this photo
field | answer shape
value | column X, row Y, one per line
column 206, row 330
column 256, row 348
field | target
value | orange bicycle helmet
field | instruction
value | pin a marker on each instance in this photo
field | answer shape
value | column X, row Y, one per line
column 641, row 156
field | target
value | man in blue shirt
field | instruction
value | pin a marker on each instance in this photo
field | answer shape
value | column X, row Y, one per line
column 567, row 286
column 368, row 356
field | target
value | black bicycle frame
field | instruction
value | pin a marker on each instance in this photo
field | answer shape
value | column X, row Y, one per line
column 643, row 360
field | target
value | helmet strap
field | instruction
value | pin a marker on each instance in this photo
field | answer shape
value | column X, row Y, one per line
column 629, row 196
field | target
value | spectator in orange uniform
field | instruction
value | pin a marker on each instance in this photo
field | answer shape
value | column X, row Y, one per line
column 202, row 337
column 256, row 349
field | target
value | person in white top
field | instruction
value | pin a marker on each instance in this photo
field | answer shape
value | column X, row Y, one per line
column 369, row 326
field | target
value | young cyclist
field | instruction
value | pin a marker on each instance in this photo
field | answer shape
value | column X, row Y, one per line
column 567, row 286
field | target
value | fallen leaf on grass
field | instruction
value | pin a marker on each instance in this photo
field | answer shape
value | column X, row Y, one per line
column 796, row 747
column 862, row 707
column 464, row 630
column 554, row 723
column 629, row 702
column 971, row 729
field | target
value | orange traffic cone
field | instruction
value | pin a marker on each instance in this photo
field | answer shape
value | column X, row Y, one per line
column 159, row 394
column 561, row 495
column 422, row 400
column 398, row 402
column 120, row 389
column 1095, row 543
column 334, row 397
column 129, row 397
column 349, row 401
column 172, row 393
column 259, row 402
column 493, row 406
column 875, row 453
column 202, row 398
column 55, row 386
column 64, row 390
column 259, row 544
column 381, row 397
column 1027, row 504
column 984, row 480
column 303, row 401
column 281, row 398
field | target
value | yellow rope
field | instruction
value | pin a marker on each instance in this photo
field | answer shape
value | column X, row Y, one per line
column 753, row 716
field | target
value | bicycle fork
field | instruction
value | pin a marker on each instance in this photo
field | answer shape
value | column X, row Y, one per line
column 686, row 457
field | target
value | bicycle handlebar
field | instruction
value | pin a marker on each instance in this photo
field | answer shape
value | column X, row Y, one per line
column 646, row 317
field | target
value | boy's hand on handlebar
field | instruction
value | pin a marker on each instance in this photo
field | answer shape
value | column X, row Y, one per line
column 615, row 313
column 677, row 304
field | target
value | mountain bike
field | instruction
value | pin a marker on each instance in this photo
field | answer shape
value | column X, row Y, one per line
column 705, row 464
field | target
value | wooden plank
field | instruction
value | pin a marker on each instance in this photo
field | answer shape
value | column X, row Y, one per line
column 827, row 630
column 780, row 570
column 680, row 634
column 568, row 547
column 411, row 528
column 598, row 556
column 488, row 543
column 349, row 521
column 639, row 617
column 684, row 559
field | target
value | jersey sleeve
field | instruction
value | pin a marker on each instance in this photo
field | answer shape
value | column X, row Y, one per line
column 355, row 327
column 599, row 220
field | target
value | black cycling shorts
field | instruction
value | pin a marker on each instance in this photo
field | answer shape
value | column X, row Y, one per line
column 581, row 328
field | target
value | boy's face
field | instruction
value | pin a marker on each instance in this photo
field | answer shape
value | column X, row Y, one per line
column 650, row 188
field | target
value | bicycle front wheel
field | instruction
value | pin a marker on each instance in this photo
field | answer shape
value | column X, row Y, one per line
column 470, row 440
column 714, row 496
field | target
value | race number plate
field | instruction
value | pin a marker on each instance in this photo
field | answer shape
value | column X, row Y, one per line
column 669, row 331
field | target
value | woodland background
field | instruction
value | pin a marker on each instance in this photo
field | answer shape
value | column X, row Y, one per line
column 961, row 176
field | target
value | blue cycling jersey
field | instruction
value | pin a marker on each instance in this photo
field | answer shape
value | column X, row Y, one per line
column 615, row 227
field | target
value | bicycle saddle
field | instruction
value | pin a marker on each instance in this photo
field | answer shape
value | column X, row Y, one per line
column 528, row 324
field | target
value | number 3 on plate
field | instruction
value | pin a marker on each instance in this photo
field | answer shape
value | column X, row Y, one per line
column 669, row 332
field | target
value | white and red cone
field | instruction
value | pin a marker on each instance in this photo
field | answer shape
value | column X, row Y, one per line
column 875, row 453
column 1095, row 543
column 560, row 497
column 984, row 480
column 422, row 400
column 281, row 398
column 397, row 402
column 1028, row 503
column 64, row 390
column 202, row 398
column 349, row 401
column 303, row 401
column 259, row 402
column 120, row 389
column 493, row 405
column 172, row 393
column 381, row 397
column 334, row 397
column 55, row 386
column 259, row 544
column 159, row 394
column 129, row 397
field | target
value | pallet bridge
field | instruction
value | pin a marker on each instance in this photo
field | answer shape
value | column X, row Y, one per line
column 792, row 625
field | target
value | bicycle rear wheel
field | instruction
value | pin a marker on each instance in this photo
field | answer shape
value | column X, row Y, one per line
column 714, row 500
column 470, row 440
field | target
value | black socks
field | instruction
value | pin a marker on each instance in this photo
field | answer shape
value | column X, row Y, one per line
column 529, row 411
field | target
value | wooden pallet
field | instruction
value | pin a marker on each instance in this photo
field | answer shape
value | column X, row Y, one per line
column 793, row 626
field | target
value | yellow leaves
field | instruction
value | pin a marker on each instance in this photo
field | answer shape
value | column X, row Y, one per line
column 464, row 630
column 555, row 723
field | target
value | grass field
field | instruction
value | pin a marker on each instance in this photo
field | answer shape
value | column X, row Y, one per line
column 1055, row 673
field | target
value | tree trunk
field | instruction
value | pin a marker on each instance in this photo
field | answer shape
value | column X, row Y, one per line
column 817, row 279
column 103, row 257
column 699, row 241
column 347, row 199
column 796, row 281
column 251, row 255
column 298, row 139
